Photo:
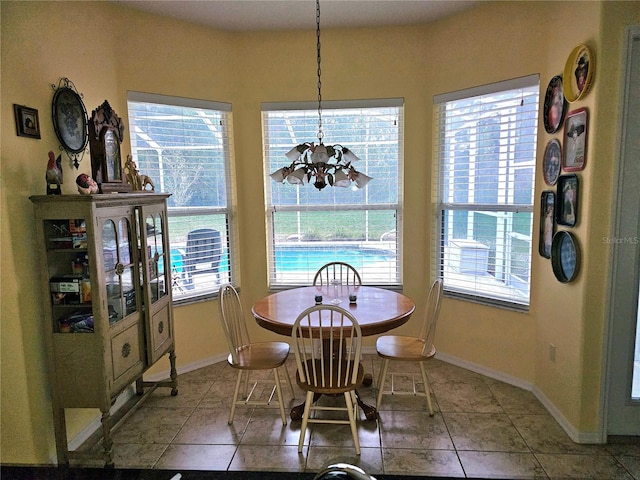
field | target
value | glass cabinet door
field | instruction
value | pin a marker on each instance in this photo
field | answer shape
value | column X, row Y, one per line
column 119, row 268
column 156, row 257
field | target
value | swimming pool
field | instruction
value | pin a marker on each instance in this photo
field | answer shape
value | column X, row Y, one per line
column 306, row 259
column 289, row 258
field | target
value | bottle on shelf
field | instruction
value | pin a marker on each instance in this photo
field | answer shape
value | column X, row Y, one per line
column 85, row 283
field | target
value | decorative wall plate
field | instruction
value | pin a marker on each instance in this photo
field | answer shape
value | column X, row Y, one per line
column 69, row 119
column 578, row 73
column 552, row 161
column 555, row 105
column 565, row 256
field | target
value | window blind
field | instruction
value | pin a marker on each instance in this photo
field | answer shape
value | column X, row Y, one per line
column 184, row 146
column 307, row 227
column 485, row 141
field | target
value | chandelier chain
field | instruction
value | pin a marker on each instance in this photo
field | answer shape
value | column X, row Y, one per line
column 320, row 132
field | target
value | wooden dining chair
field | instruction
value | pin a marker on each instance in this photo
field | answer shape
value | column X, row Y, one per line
column 411, row 349
column 332, row 368
column 246, row 356
column 345, row 273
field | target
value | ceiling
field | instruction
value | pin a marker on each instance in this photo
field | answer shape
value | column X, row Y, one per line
column 252, row 15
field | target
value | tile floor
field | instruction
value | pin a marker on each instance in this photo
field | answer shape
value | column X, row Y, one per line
column 481, row 428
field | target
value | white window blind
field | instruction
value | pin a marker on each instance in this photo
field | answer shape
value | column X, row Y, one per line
column 307, row 227
column 184, row 146
column 485, row 140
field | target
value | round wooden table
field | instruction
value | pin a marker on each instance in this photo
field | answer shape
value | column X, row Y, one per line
column 377, row 310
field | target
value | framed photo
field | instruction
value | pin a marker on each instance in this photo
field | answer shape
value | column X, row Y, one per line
column 555, row 105
column 578, row 73
column 547, row 222
column 565, row 256
column 551, row 162
column 567, row 202
column 575, row 140
column 27, row 123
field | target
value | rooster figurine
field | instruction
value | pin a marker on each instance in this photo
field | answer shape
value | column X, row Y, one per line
column 54, row 175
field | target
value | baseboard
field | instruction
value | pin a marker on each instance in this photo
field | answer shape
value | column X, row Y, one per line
column 575, row 435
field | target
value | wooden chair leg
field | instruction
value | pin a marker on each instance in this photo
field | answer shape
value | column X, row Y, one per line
column 276, row 377
column 352, row 420
column 382, row 378
column 305, row 420
column 286, row 371
column 235, row 397
column 427, row 390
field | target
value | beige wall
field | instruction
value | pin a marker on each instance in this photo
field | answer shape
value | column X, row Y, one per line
column 106, row 49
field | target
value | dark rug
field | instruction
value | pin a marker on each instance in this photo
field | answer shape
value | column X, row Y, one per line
column 53, row 473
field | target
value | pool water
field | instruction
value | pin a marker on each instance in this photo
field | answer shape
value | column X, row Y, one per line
column 293, row 258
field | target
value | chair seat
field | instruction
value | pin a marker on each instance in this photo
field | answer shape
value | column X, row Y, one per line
column 398, row 347
column 261, row 356
column 330, row 383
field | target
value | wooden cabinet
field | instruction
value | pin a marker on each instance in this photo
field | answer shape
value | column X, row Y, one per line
column 106, row 289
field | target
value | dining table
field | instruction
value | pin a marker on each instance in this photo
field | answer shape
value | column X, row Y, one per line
column 376, row 309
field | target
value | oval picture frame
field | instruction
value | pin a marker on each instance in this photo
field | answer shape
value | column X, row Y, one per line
column 578, row 73
column 552, row 162
column 70, row 120
column 555, row 105
column 565, row 256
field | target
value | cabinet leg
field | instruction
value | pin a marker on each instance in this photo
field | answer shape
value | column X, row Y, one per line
column 139, row 386
column 107, row 441
column 60, row 427
column 174, row 373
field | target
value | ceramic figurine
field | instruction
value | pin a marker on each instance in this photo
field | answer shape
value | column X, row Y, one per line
column 54, row 175
column 86, row 184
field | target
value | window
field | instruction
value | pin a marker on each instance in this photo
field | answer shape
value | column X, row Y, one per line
column 183, row 145
column 486, row 163
column 308, row 227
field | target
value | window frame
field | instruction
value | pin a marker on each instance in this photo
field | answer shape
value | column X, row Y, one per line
column 273, row 208
column 445, row 208
column 182, row 297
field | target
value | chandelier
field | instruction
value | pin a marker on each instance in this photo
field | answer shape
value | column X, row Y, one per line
column 325, row 164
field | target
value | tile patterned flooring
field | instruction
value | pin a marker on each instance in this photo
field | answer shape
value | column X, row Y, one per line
column 481, row 428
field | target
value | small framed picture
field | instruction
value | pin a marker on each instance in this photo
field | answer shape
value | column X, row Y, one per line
column 547, row 222
column 567, row 201
column 27, row 123
column 551, row 162
column 575, row 140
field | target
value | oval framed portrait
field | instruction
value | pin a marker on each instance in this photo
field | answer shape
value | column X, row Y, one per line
column 565, row 256
column 555, row 105
column 552, row 161
column 70, row 120
column 578, row 73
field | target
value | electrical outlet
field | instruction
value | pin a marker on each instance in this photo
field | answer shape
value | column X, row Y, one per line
column 552, row 352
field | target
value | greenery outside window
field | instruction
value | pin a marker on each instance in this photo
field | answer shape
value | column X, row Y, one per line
column 184, row 146
column 308, row 227
column 486, row 163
